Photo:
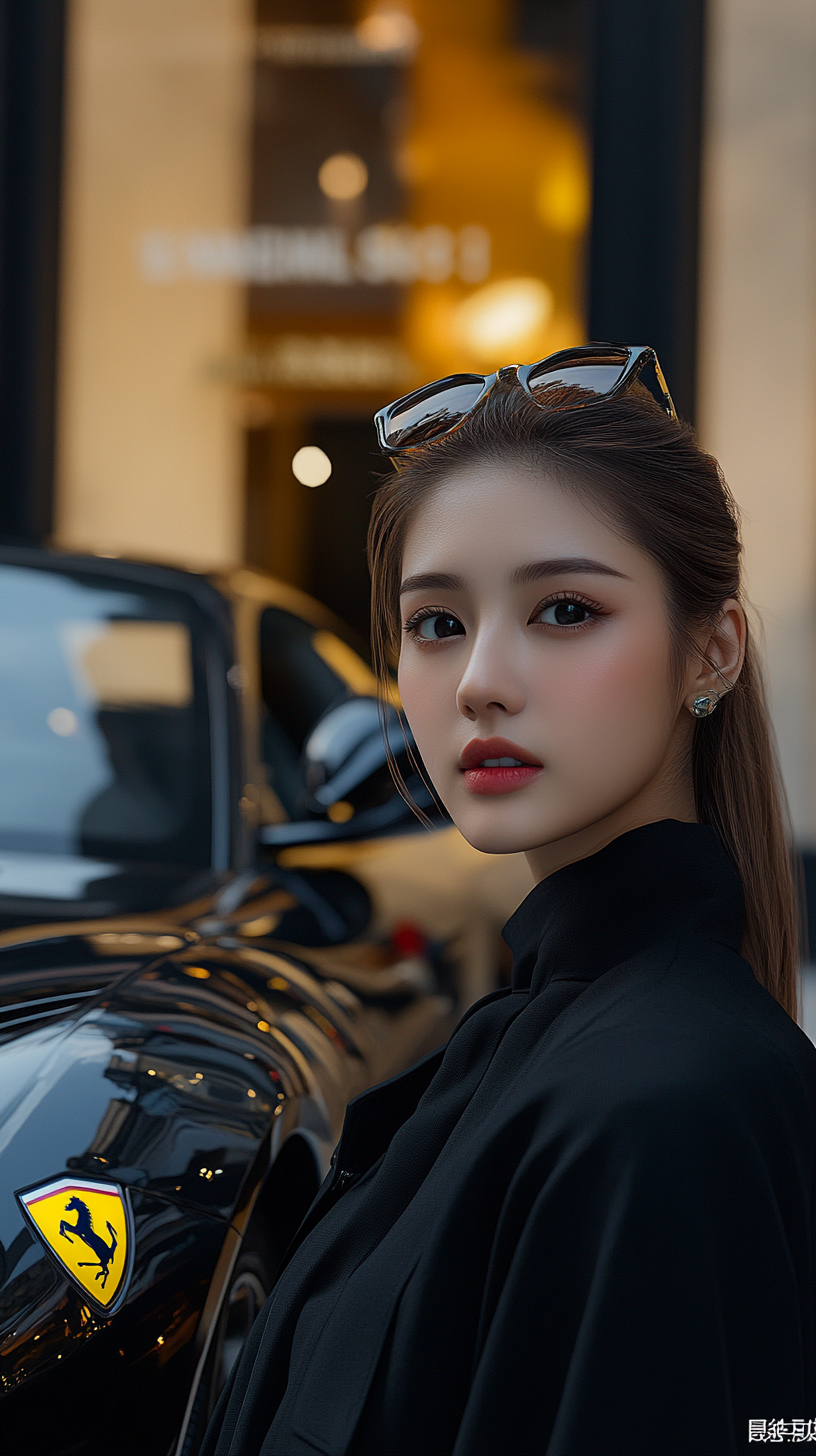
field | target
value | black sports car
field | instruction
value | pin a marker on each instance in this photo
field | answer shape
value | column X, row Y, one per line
column 184, row 1011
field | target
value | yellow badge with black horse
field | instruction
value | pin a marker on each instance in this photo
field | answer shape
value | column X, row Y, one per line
column 86, row 1225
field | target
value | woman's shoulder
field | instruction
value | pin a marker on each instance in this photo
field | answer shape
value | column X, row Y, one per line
column 691, row 1030
column 701, row 992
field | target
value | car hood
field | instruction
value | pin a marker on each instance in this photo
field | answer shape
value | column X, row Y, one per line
column 151, row 1072
column 173, row 1066
column 141, row 1068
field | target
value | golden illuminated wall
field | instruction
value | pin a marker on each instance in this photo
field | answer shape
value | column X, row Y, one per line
column 486, row 145
column 149, row 449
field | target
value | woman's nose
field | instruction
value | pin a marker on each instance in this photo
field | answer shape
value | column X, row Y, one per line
column 491, row 682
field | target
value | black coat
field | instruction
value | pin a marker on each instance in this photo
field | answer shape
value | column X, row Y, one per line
column 585, row 1229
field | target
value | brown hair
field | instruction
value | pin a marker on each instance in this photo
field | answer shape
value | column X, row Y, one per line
column 654, row 482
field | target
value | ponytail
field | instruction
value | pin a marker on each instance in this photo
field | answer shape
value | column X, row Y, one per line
column 737, row 789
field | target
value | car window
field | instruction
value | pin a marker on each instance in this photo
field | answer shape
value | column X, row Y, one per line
column 304, row 672
column 104, row 733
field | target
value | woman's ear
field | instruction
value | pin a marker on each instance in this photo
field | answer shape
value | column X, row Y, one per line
column 722, row 651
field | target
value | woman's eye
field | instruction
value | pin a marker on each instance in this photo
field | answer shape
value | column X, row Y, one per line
column 433, row 629
column 564, row 614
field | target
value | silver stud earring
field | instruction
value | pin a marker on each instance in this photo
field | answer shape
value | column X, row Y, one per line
column 705, row 705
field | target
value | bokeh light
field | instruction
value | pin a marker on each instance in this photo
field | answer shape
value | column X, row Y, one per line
column 510, row 314
column 389, row 29
column 343, row 176
column 562, row 196
column 311, row 466
column 62, row 722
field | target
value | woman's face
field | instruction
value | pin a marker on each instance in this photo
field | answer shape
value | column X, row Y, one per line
column 535, row 668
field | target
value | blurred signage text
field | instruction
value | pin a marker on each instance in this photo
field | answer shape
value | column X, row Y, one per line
column 383, row 253
column 388, row 37
column 311, row 361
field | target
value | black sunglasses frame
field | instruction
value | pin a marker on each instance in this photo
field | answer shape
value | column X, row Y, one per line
column 638, row 357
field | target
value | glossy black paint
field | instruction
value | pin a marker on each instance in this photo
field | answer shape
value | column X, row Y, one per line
column 180, row 1077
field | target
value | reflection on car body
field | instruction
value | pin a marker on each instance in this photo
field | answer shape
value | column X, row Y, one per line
column 217, row 924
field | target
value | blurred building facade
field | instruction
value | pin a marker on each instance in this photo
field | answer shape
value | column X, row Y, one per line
column 271, row 216
column 279, row 217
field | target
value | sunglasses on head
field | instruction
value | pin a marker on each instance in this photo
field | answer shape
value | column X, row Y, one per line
column 590, row 372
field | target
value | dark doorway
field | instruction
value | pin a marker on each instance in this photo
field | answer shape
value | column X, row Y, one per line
column 338, row 515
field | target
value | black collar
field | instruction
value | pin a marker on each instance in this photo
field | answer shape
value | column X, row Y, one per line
column 660, row 880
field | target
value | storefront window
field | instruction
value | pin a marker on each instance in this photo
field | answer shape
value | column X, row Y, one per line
column 279, row 221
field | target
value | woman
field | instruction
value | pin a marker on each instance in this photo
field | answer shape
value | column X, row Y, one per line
column 587, row 1225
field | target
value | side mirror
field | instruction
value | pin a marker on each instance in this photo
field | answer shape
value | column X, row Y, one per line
column 345, row 762
column 348, row 745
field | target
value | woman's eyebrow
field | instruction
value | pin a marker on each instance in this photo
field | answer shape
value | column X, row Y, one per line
column 431, row 581
column 562, row 566
column 556, row 566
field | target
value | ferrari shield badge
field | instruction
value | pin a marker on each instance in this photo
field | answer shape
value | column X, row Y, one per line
column 86, row 1225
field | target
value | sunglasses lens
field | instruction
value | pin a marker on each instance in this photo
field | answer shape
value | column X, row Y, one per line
column 586, row 378
column 432, row 411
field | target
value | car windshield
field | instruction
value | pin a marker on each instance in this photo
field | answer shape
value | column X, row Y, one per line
column 104, row 733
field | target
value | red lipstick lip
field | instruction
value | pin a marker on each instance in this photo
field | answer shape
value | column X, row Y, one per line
column 474, row 754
